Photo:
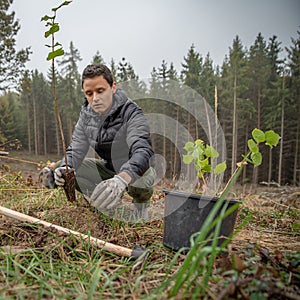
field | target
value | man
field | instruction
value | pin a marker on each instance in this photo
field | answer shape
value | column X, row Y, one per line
column 116, row 128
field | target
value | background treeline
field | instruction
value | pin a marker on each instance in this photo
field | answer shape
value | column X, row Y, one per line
column 255, row 87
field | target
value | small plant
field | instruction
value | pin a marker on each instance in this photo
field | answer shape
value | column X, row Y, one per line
column 57, row 50
column 192, row 279
column 201, row 155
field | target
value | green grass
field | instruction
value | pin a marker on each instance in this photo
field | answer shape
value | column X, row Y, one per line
column 38, row 263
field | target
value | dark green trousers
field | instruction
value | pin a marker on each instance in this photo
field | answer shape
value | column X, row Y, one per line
column 92, row 171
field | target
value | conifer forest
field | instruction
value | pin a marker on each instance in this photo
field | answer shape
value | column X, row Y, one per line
column 257, row 87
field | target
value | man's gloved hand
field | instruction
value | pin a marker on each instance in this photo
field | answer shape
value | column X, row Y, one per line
column 108, row 193
column 58, row 173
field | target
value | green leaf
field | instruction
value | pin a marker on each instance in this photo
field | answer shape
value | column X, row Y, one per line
column 46, row 18
column 198, row 153
column 220, row 168
column 189, row 146
column 198, row 142
column 54, row 28
column 252, row 146
column 204, row 165
column 258, row 135
column 272, row 138
column 64, row 3
column 256, row 159
column 211, row 152
column 187, row 159
column 53, row 54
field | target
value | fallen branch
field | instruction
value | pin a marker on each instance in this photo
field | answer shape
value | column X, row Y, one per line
column 112, row 248
column 19, row 159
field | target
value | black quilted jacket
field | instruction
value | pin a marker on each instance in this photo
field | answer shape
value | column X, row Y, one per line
column 121, row 138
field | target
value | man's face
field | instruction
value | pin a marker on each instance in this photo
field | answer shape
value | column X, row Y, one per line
column 99, row 93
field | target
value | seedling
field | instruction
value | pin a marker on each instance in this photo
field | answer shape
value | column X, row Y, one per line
column 57, row 50
column 200, row 155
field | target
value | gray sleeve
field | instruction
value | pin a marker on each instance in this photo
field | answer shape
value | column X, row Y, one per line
column 139, row 143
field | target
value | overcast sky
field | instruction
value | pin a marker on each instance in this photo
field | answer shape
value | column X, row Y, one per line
column 146, row 32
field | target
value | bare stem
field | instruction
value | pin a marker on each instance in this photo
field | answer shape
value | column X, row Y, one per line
column 56, row 107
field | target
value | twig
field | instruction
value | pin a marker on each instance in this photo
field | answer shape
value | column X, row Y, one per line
column 280, row 204
column 19, row 159
column 277, row 232
column 106, row 246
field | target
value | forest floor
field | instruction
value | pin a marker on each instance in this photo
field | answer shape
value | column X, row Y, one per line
column 263, row 260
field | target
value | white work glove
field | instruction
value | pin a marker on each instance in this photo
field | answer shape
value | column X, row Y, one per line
column 58, row 173
column 108, row 193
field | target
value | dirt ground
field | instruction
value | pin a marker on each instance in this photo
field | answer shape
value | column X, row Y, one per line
column 272, row 233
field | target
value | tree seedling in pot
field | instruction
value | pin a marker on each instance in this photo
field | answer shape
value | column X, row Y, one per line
column 201, row 155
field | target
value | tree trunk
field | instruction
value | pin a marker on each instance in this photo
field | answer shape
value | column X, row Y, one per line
column 245, row 151
column 296, row 154
column 189, row 171
column 216, row 128
column 255, row 170
column 45, row 133
column 234, row 127
column 281, row 132
column 164, row 140
column 270, row 166
column 216, row 117
column 28, row 128
column 176, row 143
column 57, row 139
column 35, row 128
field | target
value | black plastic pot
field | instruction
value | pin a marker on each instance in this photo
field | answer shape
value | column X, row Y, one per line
column 185, row 214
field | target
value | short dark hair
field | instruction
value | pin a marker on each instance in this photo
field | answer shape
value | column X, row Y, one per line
column 94, row 70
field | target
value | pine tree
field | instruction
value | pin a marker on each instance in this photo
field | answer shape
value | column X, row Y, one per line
column 122, row 70
column 26, row 104
column 192, row 68
column 163, row 74
column 7, row 120
column 69, row 87
column 129, row 80
column 259, row 72
column 113, row 69
column 98, row 59
column 293, row 126
column 207, row 80
column 274, row 111
column 172, row 73
column 12, row 62
column 69, row 62
column 238, row 106
column 42, row 108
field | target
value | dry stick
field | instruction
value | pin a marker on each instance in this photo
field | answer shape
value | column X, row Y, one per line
column 119, row 250
column 19, row 159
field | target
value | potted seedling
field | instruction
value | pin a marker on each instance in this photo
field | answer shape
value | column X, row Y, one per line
column 189, row 213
